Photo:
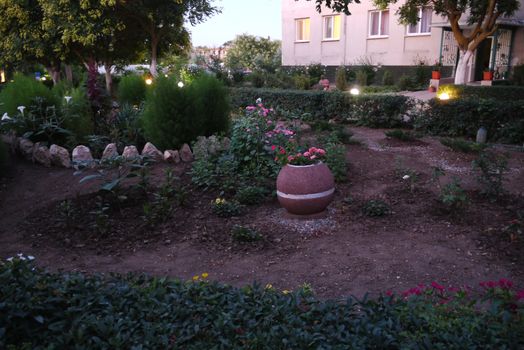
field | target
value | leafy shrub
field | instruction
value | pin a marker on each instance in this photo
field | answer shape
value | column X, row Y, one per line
column 340, row 78
column 336, row 161
column 126, row 128
column 405, row 83
column 302, row 82
column 219, row 172
column 174, row 115
column 77, row 114
column 376, row 208
column 245, row 234
column 382, row 111
column 132, row 89
column 226, row 209
column 387, row 78
column 257, row 78
column 316, row 105
column 500, row 93
column 251, row 195
column 49, row 310
column 402, row 135
column 376, row 89
column 461, row 145
column 454, row 196
column 422, row 74
column 503, row 120
column 361, row 78
column 315, row 72
column 22, row 92
column 492, row 168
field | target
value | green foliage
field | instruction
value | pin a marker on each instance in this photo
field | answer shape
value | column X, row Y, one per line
column 422, row 75
column 504, row 120
column 77, row 114
column 131, row 90
column 340, row 78
column 315, row 72
column 361, row 78
column 500, row 93
column 216, row 172
column 255, row 53
column 257, row 78
column 387, row 78
column 377, row 89
column 336, row 161
column 376, row 208
column 49, row 310
column 402, row 135
column 22, row 92
column 226, row 208
column 492, row 168
column 174, row 116
column 461, row 145
column 302, row 82
column 405, row 83
column 453, row 196
column 126, row 128
column 251, row 195
column 380, row 110
column 245, row 234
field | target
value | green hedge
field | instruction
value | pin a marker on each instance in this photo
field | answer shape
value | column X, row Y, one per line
column 369, row 110
column 504, row 120
column 40, row 310
column 498, row 92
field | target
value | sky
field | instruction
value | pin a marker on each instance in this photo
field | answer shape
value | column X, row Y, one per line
column 255, row 17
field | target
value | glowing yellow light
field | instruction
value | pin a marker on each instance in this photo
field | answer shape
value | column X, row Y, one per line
column 149, row 81
column 354, row 91
column 180, row 84
column 2, row 77
column 444, row 96
column 43, row 79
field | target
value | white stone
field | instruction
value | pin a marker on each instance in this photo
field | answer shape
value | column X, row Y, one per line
column 130, row 153
column 172, row 156
column 110, row 152
column 152, row 152
column 60, row 156
column 41, row 155
column 82, row 154
column 26, row 148
column 185, row 153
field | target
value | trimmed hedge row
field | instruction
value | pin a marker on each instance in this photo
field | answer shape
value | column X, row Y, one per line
column 504, row 120
column 498, row 92
column 456, row 117
column 39, row 310
column 369, row 110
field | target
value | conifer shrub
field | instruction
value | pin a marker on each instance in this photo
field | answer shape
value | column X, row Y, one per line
column 21, row 92
column 173, row 115
column 132, row 90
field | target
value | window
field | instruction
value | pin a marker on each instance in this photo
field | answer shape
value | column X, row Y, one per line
column 379, row 23
column 423, row 26
column 302, row 29
column 332, row 27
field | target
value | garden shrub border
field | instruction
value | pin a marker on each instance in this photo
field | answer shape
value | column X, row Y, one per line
column 498, row 92
column 43, row 310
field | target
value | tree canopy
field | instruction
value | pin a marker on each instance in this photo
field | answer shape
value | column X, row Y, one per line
column 255, row 53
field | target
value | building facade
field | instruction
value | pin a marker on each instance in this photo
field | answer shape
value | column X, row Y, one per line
column 373, row 36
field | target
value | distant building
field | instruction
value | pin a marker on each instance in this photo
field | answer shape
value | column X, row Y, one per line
column 375, row 36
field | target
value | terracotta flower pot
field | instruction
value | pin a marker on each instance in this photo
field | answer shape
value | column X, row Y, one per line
column 487, row 75
column 435, row 74
column 305, row 189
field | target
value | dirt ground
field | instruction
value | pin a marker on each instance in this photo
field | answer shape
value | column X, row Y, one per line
column 344, row 253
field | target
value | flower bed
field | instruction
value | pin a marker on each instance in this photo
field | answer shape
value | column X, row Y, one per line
column 47, row 310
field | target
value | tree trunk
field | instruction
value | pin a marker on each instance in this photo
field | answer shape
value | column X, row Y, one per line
column 69, row 73
column 154, row 57
column 55, row 73
column 109, row 78
column 461, row 75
